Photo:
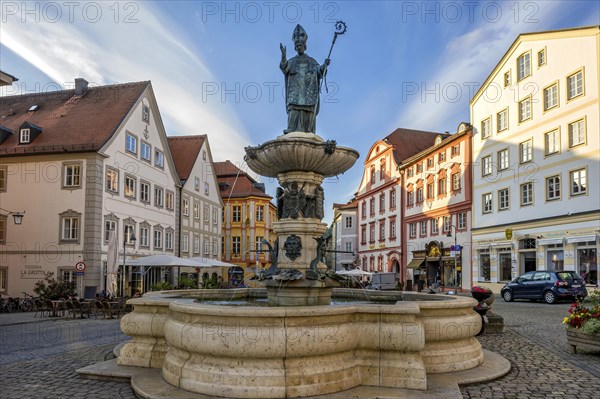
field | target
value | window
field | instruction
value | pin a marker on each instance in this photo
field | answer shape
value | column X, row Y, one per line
column 197, row 183
column 526, row 193
column 196, row 245
column 158, row 196
column 412, row 230
column 130, row 184
column 455, row 150
column 552, row 142
column 108, row 226
column 129, row 232
column 348, row 246
column 435, row 229
column 70, row 228
column 456, row 181
column 235, row 246
column 430, row 191
column 196, row 210
column 25, row 136
column 552, row 188
column 3, row 278
column 526, row 151
column 486, row 203
column 486, row 165
column 3, row 177
column 372, row 205
column 577, row 133
column 145, row 113
column 507, row 79
column 72, row 175
column 410, row 198
column 419, row 167
column 237, row 213
column 186, row 207
column 131, row 143
column 442, row 156
column 503, row 199
column 3, row 219
column 112, row 180
column 382, row 203
column 205, row 210
column 419, row 195
column 158, row 238
column 363, row 235
column 364, row 209
column 578, row 182
column 541, row 57
column 145, row 152
column 503, row 160
column 258, row 243
column 215, row 216
column 260, row 213
column 392, row 198
column 372, row 174
column 486, row 128
column 204, row 155
column 215, row 249
column 144, row 237
column 525, row 109
column 447, row 223
column 382, row 230
column 575, row 85
column 423, row 228
column 551, row 97
column 461, row 221
column 206, row 188
column 145, row 192
column 429, row 163
column 382, row 169
column 169, row 240
column 442, row 186
column 185, row 243
column 502, row 120
column 523, row 66
column 169, row 200
column 372, row 232
column 392, row 229
column 410, row 172
column 159, row 159
column 348, row 222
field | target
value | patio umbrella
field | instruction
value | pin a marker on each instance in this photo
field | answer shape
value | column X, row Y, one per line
column 358, row 273
column 112, row 267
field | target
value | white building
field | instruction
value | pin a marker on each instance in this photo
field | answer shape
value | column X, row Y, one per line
column 80, row 163
column 345, row 235
column 201, row 205
column 437, row 211
column 536, row 158
column 379, row 195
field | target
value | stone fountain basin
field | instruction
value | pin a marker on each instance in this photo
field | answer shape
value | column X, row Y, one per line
column 279, row 352
column 295, row 152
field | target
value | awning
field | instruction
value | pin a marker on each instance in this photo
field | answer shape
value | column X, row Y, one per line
column 449, row 258
column 483, row 246
column 415, row 263
column 502, row 244
column 573, row 240
column 549, row 241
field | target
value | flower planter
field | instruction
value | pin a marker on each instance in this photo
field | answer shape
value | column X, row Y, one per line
column 578, row 339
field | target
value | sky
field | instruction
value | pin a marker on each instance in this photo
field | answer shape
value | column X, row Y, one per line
column 214, row 65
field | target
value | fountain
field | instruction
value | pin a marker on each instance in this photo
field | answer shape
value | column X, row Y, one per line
column 300, row 345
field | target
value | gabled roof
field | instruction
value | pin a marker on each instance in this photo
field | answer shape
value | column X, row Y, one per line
column 236, row 183
column 185, row 150
column 352, row 204
column 408, row 142
column 446, row 139
column 70, row 123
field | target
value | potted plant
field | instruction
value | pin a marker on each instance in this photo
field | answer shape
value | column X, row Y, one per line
column 583, row 324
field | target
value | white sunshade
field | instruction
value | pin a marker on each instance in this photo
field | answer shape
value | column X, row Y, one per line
column 355, row 273
column 162, row 260
column 207, row 262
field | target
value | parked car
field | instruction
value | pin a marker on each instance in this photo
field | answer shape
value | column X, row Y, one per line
column 549, row 285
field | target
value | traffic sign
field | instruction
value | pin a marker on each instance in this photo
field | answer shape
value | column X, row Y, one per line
column 80, row 266
column 457, row 248
column 78, row 273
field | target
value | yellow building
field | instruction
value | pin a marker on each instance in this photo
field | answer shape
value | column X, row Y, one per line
column 248, row 217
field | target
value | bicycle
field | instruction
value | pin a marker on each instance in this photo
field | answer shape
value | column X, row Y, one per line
column 9, row 305
column 26, row 304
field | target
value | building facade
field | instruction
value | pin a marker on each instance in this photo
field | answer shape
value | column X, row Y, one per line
column 201, row 207
column 437, row 211
column 81, row 163
column 248, row 217
column 345, row 235
column 379, row 201
column 535, row 155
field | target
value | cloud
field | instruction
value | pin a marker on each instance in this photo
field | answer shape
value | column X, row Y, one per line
column 153, row 49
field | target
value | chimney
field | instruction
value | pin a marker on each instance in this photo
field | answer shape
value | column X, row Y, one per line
column 81, row 86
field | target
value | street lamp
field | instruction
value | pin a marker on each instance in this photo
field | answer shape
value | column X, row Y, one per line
column 17, row 216
column 125, row 242
column 455, row 251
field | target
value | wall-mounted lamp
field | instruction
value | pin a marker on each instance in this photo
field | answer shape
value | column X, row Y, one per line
column 17, row 216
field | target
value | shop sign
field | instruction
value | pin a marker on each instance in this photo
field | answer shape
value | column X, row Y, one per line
column 508, row 233
column 34, row 272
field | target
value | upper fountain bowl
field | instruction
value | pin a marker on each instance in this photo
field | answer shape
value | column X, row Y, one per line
column 300, row 152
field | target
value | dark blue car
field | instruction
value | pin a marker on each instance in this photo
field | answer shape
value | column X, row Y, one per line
column 549, row 285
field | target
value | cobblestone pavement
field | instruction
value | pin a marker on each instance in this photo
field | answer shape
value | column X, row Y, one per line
column 38, row 359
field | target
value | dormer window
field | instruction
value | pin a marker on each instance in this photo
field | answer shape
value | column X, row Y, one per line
column 25, row 136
